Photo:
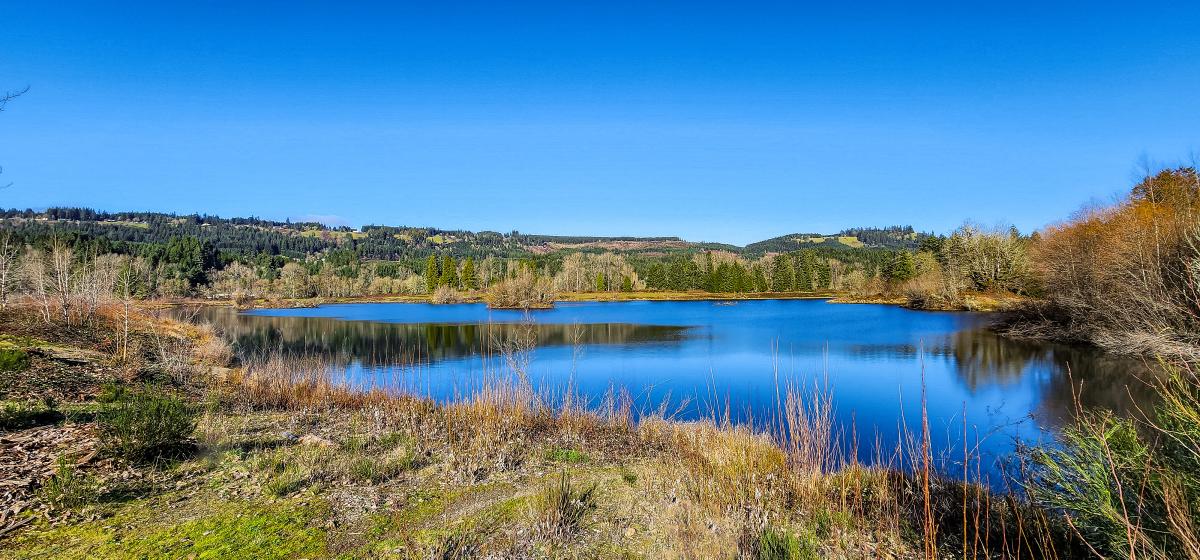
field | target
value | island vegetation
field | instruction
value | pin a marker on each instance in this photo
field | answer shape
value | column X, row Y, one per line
column 125, row 433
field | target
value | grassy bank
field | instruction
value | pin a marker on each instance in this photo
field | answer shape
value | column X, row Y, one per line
column 271, row 459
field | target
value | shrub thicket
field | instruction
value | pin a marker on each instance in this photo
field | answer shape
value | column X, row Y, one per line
column 147, row 425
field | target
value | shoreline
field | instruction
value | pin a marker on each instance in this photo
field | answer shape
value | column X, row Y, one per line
column 976, row 302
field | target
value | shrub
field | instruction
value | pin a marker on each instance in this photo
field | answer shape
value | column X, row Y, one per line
column 68, row 489
column 13, row 358
column 146, row 425
column 1127, row 277
column 565, row 507
column 523, row 291
column 444, row 295
column 111, row 392
column 1129, row 493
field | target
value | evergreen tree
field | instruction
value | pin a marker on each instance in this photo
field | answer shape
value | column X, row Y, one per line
column 626, row 284
column 656, row 277
column 783, row 272
column 902, row 267
column 824, row 274
column 680, row 276
column 805, row 272
column 469, row 280
column 712, row 277
column 449, row 272
column 599, row 281
column 431, row 273
column 760, row 280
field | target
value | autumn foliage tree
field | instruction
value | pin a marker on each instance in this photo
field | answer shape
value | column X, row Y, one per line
column 1127, row 277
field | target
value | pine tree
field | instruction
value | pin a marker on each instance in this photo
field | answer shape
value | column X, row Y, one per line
column 599, row 281
column 824, row 274
column 469, row 280
column 449, row 272
column 431, row 273
column 760, row 279
column 804, row 272
column 902, row 267
column 626, row 284
column 783, row 272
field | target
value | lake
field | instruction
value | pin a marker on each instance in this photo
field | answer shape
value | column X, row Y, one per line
column 705, row 357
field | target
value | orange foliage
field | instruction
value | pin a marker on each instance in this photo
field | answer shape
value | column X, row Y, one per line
column 1127, row 276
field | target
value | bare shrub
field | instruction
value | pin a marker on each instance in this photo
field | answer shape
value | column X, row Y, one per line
column 444, row 295
column 525, row 290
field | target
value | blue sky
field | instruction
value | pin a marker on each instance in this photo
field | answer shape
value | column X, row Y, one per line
column 725, row 122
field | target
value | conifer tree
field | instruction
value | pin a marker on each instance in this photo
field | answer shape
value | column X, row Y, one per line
column 469, row 280
column 431, row 273
column 760, row 279
column 449, row 272
column 783, row 272
column 599, row 281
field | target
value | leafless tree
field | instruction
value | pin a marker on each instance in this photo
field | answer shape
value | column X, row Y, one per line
column 62, row 278
column 38, row 280
column 9, row 268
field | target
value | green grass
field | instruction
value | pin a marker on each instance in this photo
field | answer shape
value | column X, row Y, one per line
column 380, row 469
column 567, row 455
column 566, row 507
column 227, row 531
column 774, row 544
column 13, row 358
column 19, row 415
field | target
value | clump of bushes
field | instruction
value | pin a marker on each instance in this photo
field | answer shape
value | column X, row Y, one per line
column 146, row 425
column 445, row 295
column 526, row 290
column 1127, row 277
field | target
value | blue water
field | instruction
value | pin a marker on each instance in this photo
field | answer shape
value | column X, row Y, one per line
column 706, row 357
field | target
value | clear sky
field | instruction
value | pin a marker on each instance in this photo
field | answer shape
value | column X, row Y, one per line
column 726, row 122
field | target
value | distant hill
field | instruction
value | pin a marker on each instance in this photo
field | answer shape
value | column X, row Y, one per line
column 254, row 236
column 892, row 237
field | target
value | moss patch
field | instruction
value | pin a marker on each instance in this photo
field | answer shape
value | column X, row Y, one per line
column 230, row 531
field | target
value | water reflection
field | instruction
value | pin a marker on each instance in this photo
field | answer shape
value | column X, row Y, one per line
column 1070, row 377
column 375, row 344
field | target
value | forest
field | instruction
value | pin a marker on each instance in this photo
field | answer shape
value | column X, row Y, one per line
column 206, row 256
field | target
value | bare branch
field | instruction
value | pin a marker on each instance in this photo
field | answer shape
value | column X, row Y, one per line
column 11, row 95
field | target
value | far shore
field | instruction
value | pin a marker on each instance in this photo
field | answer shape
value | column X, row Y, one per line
column 979, row 302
